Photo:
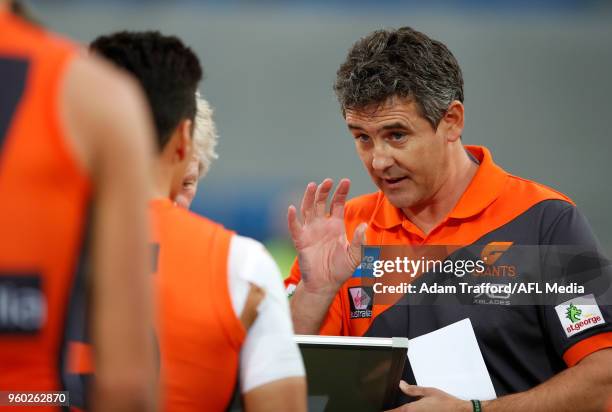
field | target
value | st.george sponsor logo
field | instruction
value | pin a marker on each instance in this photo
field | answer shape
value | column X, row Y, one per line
column 579, row 314
column 581, row 324
column 361, row 300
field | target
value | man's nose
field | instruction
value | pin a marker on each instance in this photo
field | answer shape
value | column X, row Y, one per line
column 381, row 159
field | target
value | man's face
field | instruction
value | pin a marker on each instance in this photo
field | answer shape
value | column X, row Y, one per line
column 189, row 185
column 405, row 157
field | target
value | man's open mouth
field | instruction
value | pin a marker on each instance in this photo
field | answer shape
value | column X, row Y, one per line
column 392, row 181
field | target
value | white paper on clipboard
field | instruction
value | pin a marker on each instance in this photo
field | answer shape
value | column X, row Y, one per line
column 450, row 359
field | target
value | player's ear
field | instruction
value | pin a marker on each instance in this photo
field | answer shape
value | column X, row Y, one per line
column 451, row 124
column 183, row 147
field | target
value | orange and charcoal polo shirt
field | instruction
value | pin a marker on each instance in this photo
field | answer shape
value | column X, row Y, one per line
column 43, row 214
column 523, row 345
column 198, row 333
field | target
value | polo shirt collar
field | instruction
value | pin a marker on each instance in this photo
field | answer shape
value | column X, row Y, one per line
column 480, row 193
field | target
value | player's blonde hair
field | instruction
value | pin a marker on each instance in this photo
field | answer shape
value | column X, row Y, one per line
column 204, row 135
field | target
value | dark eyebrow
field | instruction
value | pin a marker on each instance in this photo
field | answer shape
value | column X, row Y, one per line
column 396, row 125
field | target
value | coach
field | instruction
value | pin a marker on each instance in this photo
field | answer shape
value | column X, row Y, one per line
column 401, row 94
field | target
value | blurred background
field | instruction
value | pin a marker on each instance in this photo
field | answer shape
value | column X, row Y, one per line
column 537, row 76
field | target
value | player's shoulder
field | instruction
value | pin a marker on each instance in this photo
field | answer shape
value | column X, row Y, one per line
column 521, row 189
column 535, row 201
column 99, row 85
column 187, row 219
column 102, row 99
column 248, row 245
column 176, row 221
column 104, row 113
column 34, row 39
column 253, row 253
column 251, row 262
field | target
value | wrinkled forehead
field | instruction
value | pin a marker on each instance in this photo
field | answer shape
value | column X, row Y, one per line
column 392, row 110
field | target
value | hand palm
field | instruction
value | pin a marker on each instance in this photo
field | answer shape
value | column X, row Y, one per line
column 323, row 248
column 325, row 256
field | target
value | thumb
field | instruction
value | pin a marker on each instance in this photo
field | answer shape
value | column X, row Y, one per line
column 416, row 391
column 359, row 239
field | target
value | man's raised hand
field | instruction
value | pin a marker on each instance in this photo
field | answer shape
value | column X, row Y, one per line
column 325, row 256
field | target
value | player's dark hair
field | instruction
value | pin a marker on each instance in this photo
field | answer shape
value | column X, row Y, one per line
column 403, row 63
column 168, row 71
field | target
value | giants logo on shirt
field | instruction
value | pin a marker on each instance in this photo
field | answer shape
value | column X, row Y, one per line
column 494, row 251
column 490, row 255
column 579, row 314
column 361, row 300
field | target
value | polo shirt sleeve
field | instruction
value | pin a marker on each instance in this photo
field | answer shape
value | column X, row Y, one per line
column 332, row 324
column 293, row 279
column 571, row 253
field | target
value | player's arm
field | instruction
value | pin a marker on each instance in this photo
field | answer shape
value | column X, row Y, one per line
column 108, row 127
column 271, row 367
column 288, row 394
column 325, row 256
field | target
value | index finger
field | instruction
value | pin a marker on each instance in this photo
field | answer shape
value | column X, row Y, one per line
column 294, row 225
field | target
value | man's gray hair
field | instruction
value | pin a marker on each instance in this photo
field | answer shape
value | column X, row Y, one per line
column 400, row 63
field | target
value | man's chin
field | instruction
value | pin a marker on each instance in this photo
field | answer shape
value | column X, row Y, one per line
column 399, row 200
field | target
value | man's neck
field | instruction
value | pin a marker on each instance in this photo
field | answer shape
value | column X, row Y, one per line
column 163, row 180
column 4, row 5
column 461, row 172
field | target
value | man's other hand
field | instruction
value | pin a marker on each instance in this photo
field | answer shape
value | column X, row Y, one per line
column 431, row 399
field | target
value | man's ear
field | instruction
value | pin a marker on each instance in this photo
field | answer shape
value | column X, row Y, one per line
column 183, row 147
column 452, row 121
